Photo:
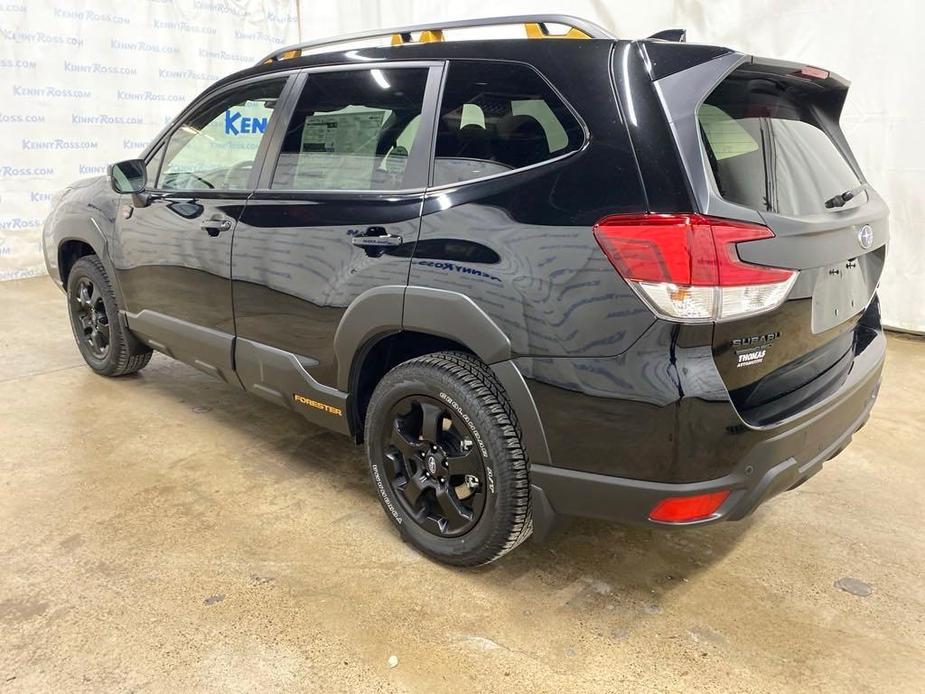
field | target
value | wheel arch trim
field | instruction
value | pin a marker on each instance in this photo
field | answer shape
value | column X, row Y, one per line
column 384, row 310
column 74, row 227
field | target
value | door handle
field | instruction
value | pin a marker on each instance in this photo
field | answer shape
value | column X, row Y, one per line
column 214, row 227
column 376, row 237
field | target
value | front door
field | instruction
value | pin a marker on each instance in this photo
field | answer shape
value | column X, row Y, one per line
column 172, row 246
column 336, row 213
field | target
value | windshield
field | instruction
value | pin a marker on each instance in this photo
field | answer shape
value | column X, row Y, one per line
column 769, row 151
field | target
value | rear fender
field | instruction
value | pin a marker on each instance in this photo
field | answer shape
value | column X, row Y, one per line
column 388, row 309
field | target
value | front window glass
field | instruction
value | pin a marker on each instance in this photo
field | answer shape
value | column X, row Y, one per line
column 215, row 148
column 152, row 167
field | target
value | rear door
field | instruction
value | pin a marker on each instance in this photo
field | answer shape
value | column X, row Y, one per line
column 336, row 213
column 762, row 144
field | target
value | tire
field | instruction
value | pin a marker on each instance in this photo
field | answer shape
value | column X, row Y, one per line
column 101, row 335
column 457, row 489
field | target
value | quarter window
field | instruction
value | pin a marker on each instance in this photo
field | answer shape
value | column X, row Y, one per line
column 215, row 148
column 353, row 130
column 497, row 117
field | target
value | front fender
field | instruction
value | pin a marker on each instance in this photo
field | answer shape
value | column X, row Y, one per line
column 86, row 213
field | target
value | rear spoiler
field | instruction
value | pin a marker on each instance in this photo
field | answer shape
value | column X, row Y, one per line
column 677, row 35
column 787, row 68
column 827, row 89
column 666, row 54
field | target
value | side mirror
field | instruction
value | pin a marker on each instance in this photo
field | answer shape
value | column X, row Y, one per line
column 129, row 176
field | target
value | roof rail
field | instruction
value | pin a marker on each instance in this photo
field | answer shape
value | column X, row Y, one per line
column 535, row 25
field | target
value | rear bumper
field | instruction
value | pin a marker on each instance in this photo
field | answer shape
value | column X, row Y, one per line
column 783, row 457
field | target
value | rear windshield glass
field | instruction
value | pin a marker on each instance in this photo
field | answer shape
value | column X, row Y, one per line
column 769, row 151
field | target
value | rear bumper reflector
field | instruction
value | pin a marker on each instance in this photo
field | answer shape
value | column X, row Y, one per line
column 687, row 509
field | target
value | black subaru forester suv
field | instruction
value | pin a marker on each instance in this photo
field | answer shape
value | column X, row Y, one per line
column 629, row 280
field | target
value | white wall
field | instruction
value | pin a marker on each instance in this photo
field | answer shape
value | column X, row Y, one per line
column 876, row 45
column 81, row 88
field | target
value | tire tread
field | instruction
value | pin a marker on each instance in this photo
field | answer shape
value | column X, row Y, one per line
column 474, row 375
column 127, row 359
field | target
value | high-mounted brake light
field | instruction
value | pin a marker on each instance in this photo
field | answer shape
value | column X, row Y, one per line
column 687, row 509
column 686, row 266
column 814, row 72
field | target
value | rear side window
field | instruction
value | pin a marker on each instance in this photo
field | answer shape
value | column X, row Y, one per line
column 353, row 130
column 498, row 117
column 768, row 149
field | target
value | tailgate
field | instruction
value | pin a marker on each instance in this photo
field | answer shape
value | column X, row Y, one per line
column 761, row 143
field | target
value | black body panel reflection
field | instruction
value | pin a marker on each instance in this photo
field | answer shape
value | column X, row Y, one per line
column 168, row 264
column 296, row 269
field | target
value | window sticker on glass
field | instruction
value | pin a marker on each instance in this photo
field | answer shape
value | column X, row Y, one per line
column 338, row 149
column 342, row 132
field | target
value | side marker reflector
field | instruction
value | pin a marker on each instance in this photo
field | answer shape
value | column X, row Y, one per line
column 686, row 509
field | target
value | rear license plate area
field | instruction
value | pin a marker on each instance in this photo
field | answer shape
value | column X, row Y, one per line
column 841, row 292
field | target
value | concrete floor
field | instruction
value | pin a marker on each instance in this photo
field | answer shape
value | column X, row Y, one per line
column 164, row 531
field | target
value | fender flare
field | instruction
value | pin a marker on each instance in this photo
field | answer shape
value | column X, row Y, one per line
column 388, row 309
column 87, row 230
column 373, row 314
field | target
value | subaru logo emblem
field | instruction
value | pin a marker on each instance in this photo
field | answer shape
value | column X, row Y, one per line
column 866, row 236
column 431, row 464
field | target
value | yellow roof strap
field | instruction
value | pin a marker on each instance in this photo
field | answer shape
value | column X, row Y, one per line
column 535, row 25
column 287, row 55
column 535, row 30
column 427, row 36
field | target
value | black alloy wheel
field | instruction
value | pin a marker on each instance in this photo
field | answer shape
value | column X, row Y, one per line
column 434, row 466
column 102, row 337
column 88, row 313
column 446, row 459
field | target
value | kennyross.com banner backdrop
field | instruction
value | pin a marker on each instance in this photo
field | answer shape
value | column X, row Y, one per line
column 85, row 84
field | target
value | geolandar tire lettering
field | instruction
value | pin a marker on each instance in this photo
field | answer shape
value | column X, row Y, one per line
column 384, row 496
column 446, row 459
column 478, row 438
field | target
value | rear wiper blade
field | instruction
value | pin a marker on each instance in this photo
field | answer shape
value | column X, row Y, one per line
column 842, row 198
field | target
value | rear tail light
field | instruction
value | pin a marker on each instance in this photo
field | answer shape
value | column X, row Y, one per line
column 687, row 509
column 686, row 267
